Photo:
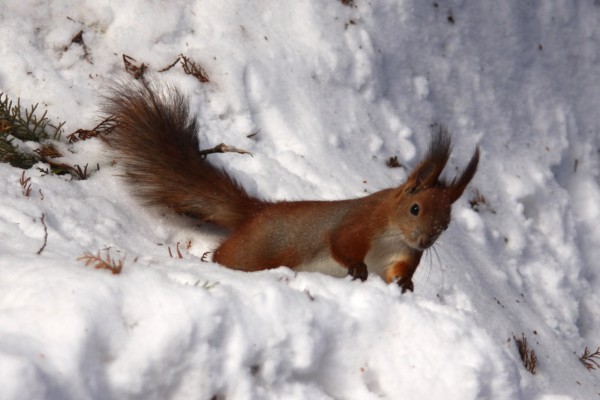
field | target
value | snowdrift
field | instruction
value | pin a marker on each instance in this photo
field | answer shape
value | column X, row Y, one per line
column 323, row 94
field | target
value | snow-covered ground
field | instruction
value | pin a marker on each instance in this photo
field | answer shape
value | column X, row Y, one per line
column 333, row 91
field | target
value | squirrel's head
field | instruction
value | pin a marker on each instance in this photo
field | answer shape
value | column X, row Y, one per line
column 423, row 204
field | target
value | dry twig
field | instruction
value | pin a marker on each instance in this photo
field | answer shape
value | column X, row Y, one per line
column 78, row 40
column 479, row 202
column 588, row 358
column 527, row 355
column 45, row 234
column 168, row 67
column 179, row 255
column 134, row 70
column 74, row 170
column 223, row 148
column 253, row 134
column 102, row 263
column 106, row 126
column 191, row 68
column 25, row 184
column 393, row 162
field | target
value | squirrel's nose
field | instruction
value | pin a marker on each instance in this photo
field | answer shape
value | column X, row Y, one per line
column 426, row 241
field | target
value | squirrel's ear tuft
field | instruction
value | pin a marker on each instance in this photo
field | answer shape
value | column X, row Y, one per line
column 458, row 185
column 427, row 173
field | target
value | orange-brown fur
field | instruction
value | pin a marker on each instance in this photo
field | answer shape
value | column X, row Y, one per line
column 386, row 232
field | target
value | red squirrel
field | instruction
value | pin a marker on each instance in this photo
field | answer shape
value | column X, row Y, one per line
column 156, row 142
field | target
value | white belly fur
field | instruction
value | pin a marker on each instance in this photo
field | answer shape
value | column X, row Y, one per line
column 326, row 265
column 384, row 252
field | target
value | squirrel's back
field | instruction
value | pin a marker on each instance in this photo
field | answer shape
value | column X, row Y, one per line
column 156, row 143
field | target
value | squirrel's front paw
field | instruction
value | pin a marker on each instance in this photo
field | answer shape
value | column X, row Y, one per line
column 406, row 284
column 358, row 271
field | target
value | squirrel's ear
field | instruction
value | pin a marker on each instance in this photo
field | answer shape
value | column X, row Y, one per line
column 458, row 185
column 428, row 171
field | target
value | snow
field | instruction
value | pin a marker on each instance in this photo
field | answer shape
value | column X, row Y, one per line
column 333, row 92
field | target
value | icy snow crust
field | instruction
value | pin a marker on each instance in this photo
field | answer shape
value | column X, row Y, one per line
column 333, row 91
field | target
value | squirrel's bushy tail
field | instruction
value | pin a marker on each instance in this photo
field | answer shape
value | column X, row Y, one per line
column 156, row 142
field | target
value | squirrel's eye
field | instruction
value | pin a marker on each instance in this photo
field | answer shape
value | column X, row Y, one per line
column 414, row 209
